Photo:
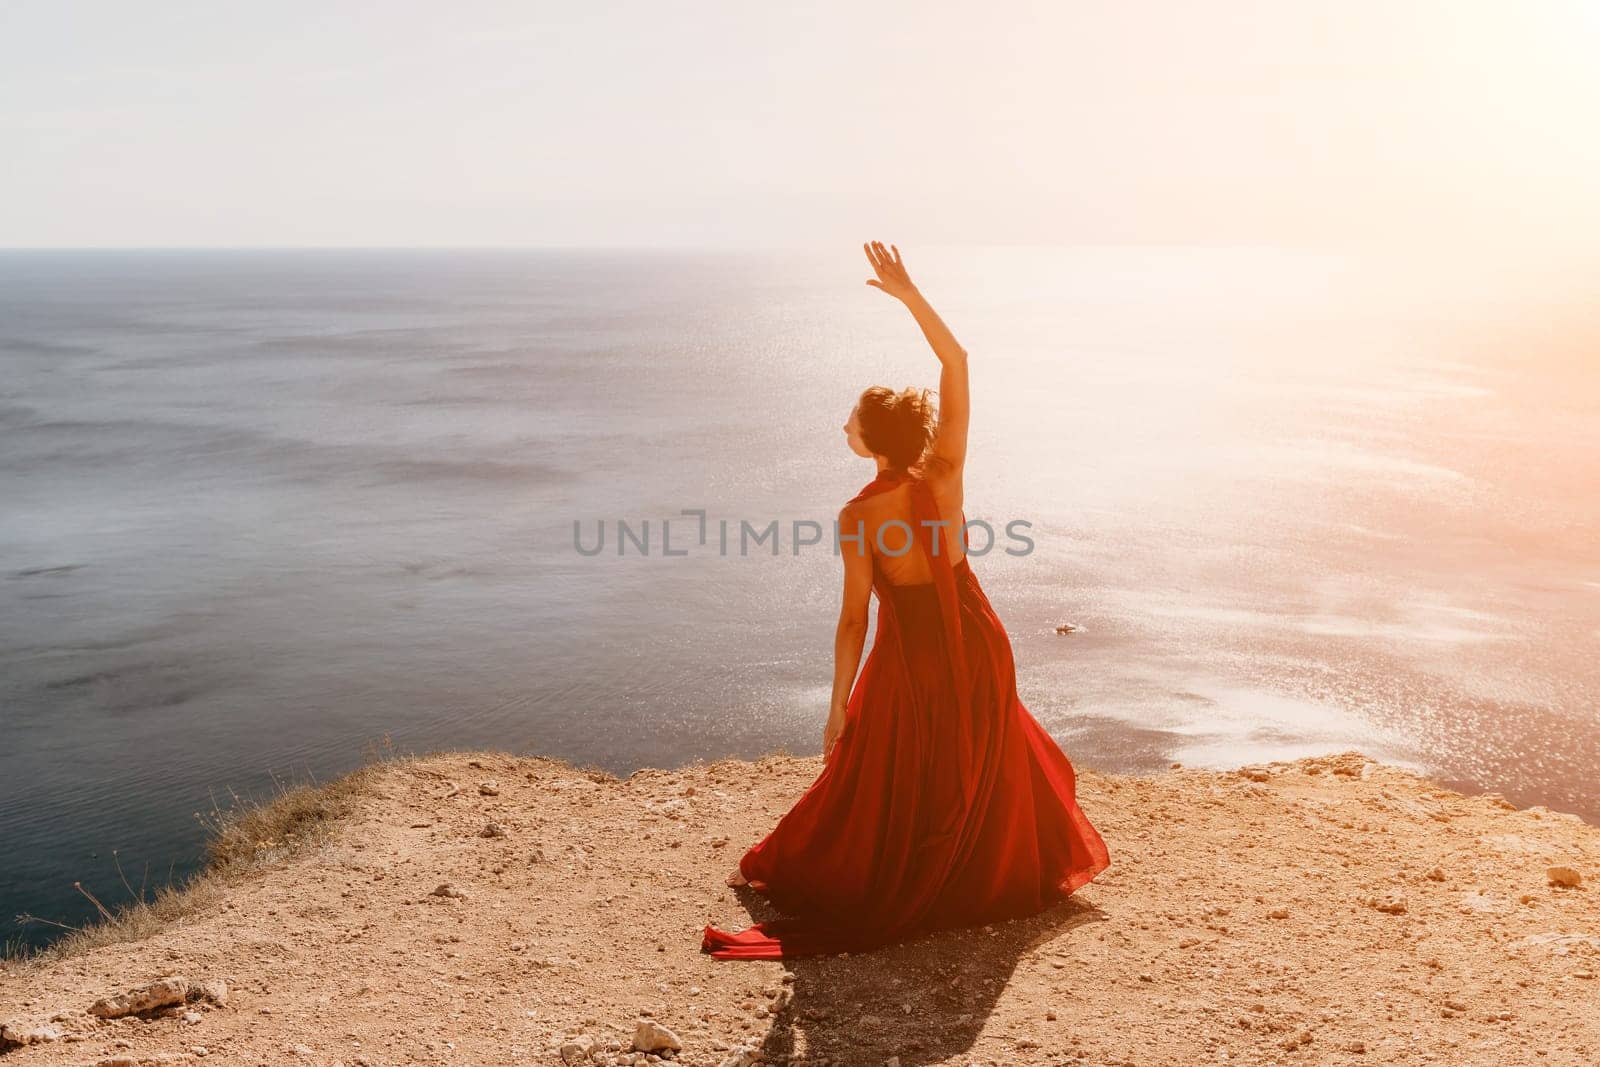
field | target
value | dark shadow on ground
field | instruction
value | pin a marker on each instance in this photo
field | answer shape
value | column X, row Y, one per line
column 853, row 1010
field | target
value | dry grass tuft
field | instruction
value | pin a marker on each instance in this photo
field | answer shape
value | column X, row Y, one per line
column 246, row 836
column 131, row 922
column 242, row 837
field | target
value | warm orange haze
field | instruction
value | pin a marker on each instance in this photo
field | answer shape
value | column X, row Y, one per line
column 882, row 535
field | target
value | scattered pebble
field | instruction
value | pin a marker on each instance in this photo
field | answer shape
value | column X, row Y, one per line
column 1388, row 903
column 531, row 972
column 1564, row 876
column 651, row 1036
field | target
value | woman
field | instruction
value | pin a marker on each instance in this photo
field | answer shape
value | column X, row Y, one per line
column 941, row 801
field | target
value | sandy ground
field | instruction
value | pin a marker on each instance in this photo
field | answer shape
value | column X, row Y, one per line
column 1330, row 910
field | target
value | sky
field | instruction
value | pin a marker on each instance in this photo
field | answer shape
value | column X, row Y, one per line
column 748, row 124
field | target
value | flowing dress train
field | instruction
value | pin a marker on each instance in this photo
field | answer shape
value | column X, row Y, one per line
column 944, row 803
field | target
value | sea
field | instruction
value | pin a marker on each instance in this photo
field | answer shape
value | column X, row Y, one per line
column 268, row 514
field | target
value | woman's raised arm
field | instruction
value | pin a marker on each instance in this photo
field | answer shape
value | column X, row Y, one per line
column 955, row 403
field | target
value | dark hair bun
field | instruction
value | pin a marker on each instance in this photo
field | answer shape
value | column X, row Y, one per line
column 898, row 425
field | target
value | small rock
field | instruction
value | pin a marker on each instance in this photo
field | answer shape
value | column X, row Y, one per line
column 162, row 993
column 1564, row 876
column 742, row 1056
column 448, row 889
column 212, row 991
column 651, row 1036
column 1388, row 903
column 1436, row 875
column 1278, row 913
column 492, row 829
column 491, row 788
column 1302, row 1038
column 193, row 1018
column 577, row 1050
column 11, row 1034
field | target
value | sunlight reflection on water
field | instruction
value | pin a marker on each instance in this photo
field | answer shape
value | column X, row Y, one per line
column 264, row 508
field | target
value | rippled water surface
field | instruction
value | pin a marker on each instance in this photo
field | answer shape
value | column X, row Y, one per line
column 262, row 510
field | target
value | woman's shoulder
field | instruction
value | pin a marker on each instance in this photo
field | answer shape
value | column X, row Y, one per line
column 871, row 503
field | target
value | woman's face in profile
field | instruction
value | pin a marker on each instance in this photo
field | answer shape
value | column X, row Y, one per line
column 852, row 434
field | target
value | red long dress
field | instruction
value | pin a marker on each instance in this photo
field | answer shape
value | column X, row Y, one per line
column 944, row 803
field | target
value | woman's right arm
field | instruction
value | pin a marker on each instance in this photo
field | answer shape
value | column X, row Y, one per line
column 950, row 442
column 955, row 402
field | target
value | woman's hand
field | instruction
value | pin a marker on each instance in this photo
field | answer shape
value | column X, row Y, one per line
column 892, row 277
column 830, row 732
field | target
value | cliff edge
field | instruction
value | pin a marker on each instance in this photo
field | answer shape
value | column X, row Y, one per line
column 489, row 909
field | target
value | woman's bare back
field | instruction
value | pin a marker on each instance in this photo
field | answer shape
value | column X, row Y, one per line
column 889, row 524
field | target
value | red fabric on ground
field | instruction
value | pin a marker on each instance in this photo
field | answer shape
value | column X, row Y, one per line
column 944, row 803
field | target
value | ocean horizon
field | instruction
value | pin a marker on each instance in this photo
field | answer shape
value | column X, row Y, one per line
column 264, row 509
